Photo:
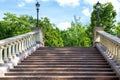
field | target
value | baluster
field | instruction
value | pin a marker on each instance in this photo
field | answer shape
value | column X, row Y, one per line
column 9, row 52
column 5, row 54
column 35, row 39
column 17, row 48
column 25, row 44
column 29, row 42
column 112, row 49
column 13, row 50
column 20, row 49
column 109, row 48
column 116, row 52
column 118, row 55
column 1, row 56
column 32, row 39
column 21, row 43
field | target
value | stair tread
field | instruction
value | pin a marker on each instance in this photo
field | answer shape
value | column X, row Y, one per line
column 57, row 66
column 89, row 76
column 63, row 69
column 62, row 60
column 71, row 63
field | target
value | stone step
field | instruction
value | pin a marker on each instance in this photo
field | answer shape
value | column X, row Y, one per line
column 66, row 53
column 59, row 77
column 54, row 58
column 69, row 52
column 62, row 66
column 61, row 73
column 68, row 48
column 63, row 63
column 61, row 69
column 65, row 56
column 27, row 60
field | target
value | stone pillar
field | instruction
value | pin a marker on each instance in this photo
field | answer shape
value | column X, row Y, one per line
column 40, row 36
column 96, row 36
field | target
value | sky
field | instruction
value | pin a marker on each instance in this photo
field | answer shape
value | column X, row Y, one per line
column 60, row 12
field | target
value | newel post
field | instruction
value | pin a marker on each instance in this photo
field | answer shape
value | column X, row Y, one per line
column 96, row 35
column 39, row 36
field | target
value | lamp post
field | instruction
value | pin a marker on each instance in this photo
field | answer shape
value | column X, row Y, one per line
column 37, row 8
column 98, row 13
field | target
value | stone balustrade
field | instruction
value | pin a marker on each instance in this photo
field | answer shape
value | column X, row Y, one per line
column 12, row 47
column 15, row 49
column 110, row 43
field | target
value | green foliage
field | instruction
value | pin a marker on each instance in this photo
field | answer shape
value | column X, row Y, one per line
column 5, row 30
column 13, row 26
column 52, row 34
column 76, row 35
column 107, row 17
column 117, row 30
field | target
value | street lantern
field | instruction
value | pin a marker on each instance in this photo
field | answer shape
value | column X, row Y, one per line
column 37, row 8
column 98, row 13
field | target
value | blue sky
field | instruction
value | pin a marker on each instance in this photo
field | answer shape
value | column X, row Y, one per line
column 60, row 12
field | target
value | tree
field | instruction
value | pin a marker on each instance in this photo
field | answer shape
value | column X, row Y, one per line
column 117, row 30
column 17, row 25
column 107, row 17
column 76, row 35
column 51, row 33
column 13, row 25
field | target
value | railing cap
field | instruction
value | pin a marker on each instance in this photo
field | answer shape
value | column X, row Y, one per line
column 109, row 36
column 15, row 38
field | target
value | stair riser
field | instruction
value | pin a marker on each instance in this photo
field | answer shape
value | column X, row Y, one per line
column 38, row 58
column 63, row 61
column 61, row 66
column 57, row 78
column 46, row 70
column 65, row 56
column 60, row 74
column 66, row 52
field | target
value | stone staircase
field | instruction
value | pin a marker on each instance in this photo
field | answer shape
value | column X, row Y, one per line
column 63, row 63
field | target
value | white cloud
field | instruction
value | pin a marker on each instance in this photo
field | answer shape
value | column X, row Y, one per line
column 64, row 25
column 30, row 1
column 72, row 3
column 86, row 12
column 22, row 4
column 45, row 0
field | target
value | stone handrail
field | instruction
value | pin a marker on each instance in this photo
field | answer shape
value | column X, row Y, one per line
column 11, row 48
column 15, row 49
column 110, row 43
